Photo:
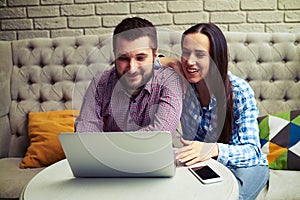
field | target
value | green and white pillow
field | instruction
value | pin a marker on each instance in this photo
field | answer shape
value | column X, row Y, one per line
column 280, row 139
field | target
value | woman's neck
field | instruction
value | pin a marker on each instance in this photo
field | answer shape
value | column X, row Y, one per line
column 203, row 93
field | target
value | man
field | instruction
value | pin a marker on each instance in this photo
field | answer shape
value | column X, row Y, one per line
column 133, row 95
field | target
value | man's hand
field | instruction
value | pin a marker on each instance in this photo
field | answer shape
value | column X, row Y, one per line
column 195, row 151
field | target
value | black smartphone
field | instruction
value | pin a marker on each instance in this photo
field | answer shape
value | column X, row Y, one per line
column 206, row 174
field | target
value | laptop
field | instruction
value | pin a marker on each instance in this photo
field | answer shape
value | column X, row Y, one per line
column 119, row 154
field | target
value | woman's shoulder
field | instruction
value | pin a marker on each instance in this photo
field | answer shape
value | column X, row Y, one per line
column 239, row 84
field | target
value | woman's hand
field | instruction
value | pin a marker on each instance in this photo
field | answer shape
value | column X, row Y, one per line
column 195, row 151
column 171, row 62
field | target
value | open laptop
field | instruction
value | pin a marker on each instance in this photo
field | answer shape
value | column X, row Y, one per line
column 119, row 154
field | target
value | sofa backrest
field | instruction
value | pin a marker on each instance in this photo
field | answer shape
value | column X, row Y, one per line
column 53, row 74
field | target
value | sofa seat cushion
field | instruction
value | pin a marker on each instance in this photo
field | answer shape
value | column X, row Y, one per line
column 13, row 179
column 283, row 184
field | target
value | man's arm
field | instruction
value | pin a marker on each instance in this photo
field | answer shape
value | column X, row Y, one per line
column 89, row 120
column 169, row 107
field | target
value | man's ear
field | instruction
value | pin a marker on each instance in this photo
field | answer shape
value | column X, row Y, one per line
column 155, row 53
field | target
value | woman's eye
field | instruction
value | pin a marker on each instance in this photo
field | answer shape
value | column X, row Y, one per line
column 200, row 55
column 185, row 54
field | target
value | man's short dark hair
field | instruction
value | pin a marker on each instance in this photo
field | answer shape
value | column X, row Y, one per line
column 134, row 28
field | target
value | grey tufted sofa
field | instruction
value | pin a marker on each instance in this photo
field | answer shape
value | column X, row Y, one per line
column 53, row 74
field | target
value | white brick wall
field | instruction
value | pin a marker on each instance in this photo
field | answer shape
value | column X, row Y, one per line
column 21, row 19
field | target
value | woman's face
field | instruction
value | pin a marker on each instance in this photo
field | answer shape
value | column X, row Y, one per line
column 195, row 57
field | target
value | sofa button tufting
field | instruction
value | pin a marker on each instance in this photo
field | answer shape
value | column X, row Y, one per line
column 284, row 60
column 296, row 79
column 271, row 43
column 296, row 43
column 246, row 43
column 259, row 61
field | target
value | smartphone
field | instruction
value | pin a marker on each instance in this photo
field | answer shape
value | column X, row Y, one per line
column 205, row 174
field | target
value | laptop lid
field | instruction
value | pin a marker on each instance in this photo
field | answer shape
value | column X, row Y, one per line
column 119, row 154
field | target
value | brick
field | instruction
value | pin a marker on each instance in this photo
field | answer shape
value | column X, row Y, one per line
column 190, row 18
column 77, row 10
column 247, row 27
column 8, row 35
column 148, row 7
column 50, row 23
column 287, row 27
column 66, row 33
column 158, row 20
column 12, row 13
column 90, row 1
column 124, row 0
column 99, row 31
column 177, row 28
column 292, row 16
column 3, row 3
column 258, row 4
column 23, row 2
column 288, row 4
column 32, row 34
column 111, row 21
column 228, row 17
column 221, row 5
column 112, row 8
column 267, row 16
column 43, row 11
column 56, row 2
column 189, row 6
column 20, row 24
column 223, row 27
column 84, row 22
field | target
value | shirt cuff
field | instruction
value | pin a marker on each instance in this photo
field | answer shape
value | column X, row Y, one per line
column 223, row 153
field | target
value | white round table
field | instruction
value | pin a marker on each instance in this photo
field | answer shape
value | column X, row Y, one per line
column 57, row 182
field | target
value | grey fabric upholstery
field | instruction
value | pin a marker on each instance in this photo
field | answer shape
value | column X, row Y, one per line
column 53, row 74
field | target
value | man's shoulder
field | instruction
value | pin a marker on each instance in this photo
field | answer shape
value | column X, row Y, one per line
column 165, row 72
column 104, row 75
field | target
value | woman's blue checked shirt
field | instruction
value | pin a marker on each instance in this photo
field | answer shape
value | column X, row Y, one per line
column 243, row 149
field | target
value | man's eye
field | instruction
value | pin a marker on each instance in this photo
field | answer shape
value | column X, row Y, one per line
column 123, row 58
column 141, row 58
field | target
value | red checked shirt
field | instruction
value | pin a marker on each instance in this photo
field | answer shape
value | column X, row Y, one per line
column 107, row 106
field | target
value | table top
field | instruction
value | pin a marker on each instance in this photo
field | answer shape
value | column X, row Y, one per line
column 57, row 182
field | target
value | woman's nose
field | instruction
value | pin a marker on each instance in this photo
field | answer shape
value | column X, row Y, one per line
column 191, row 60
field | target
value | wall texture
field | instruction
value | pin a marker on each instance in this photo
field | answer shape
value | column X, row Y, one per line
column 21, row 19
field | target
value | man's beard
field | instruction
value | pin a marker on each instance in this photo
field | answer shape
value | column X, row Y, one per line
column 130, row 87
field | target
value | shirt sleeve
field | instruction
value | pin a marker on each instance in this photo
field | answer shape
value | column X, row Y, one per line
column 88, row 119
column 244, row 147
column 167, row 116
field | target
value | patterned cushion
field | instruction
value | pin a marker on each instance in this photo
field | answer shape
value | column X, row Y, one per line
column 280, row 139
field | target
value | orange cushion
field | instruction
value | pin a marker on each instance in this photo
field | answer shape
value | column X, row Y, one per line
column 43, row 128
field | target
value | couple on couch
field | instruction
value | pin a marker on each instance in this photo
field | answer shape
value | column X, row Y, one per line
column 217, row 110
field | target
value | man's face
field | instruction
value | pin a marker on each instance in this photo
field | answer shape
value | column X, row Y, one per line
column 134, row 61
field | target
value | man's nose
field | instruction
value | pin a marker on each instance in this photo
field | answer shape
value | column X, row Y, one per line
column 132, row 65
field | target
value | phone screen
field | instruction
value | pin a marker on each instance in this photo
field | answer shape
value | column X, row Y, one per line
column 205, row 172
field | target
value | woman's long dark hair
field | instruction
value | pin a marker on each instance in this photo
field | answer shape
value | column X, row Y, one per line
column 218, row 60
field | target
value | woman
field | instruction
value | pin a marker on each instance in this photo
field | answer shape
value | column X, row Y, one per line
column 219, row 111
